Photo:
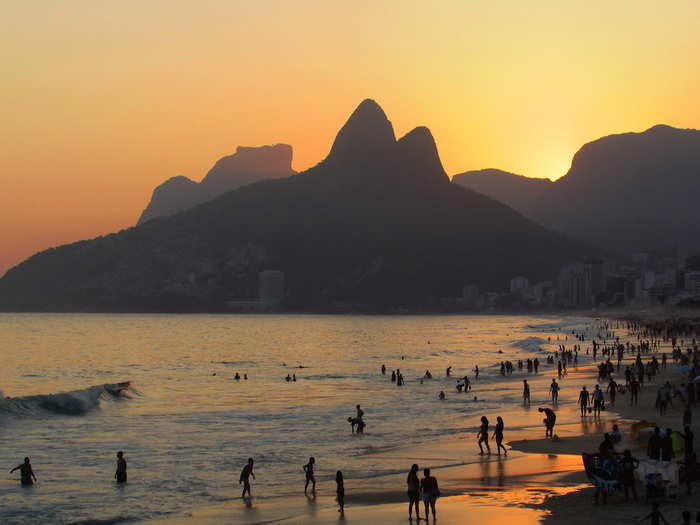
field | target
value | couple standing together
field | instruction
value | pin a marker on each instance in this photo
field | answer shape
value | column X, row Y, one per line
column 427, row 487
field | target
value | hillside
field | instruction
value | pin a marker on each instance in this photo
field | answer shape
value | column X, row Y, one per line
column 377, row 224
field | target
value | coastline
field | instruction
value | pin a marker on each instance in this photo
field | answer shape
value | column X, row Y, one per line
column 522, row 486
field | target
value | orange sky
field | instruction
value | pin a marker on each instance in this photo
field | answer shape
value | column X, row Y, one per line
column 101, row 101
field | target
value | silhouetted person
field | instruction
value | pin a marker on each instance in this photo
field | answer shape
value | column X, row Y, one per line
column 526, row 392
column 441, row 395
column 549, row 420
column 498, row 436
column 340, row 491
column 484, row 435
column 383, row 370
column 554, row 391
column 666, row 446
column 245, row 477
column 309, row 470
column 27, row 477
column 654, row 445
column 629, row 464
column 431, row 492
column 583, row 397
column 476, row 371
column 360, row 412
column 448, row 372
column 120, row 474
column 413, row 491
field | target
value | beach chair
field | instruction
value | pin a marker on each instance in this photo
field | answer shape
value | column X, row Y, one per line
column 602, row 473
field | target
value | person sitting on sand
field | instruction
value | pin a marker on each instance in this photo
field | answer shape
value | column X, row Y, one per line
column 616, row 435
column 413, row 488
column 441, row 395
column 498, row 436
column 27, row 477
column 549, row 421
column 309, row 471
column 431, row 492
column 483, row 435
column 245, row 477
column 120, row 474
column 428, row 375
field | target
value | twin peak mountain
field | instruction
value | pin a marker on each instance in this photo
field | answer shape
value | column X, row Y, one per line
column 365, row 147
column 377, row 225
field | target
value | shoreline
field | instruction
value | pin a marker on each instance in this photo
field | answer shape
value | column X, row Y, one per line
column 517, row 483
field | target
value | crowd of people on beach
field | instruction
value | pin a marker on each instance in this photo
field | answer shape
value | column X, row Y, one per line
column 647, row 359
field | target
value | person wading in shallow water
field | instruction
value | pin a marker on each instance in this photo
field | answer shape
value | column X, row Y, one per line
column 498, row 436
column 120, row 474
column 245, row 477
column 484, row 435
column 309, row 470
column 27, row 477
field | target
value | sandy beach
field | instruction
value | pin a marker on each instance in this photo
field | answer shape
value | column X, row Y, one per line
column 539, row 481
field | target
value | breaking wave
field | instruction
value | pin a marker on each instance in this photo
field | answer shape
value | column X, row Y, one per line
column 74, row 403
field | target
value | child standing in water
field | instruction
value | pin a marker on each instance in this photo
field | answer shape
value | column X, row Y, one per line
column 309, row 470
column 340, row 491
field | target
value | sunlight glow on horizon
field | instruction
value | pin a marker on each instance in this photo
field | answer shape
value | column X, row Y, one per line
column 101, row 102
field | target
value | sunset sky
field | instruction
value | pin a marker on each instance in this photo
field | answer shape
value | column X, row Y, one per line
column 102, row 101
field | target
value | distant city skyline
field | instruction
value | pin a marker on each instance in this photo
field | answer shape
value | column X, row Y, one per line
column 101, row 102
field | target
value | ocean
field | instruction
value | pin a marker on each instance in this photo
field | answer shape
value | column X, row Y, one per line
column 187, row 427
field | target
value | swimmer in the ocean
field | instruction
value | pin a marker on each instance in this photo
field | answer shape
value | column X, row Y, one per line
column 120, row 474
column 27, row 477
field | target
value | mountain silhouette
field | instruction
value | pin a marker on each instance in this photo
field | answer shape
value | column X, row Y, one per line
column 625, row 192
column 516, row 191
column 247, row 165
column 377, row 225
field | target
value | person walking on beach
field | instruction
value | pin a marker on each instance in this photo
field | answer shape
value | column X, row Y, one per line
column 498, row 436
column 245, row 477
column 431, row 492
column 340, row 491
column 654, row 445
column 634, row 392
column 526, row 392
column 309, row 470
column 598, row 401
column 413, row 491
column 27, row 477
column 554, row 391
column 583, row 401
column 120, row 474
column 484, row 435
column 550, row 418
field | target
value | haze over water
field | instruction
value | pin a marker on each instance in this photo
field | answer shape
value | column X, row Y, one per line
column 186, row 433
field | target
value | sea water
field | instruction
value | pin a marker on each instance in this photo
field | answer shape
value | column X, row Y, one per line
column 187, row 426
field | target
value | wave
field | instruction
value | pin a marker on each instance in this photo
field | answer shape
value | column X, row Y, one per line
column 531, row 344
column 74, row 403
